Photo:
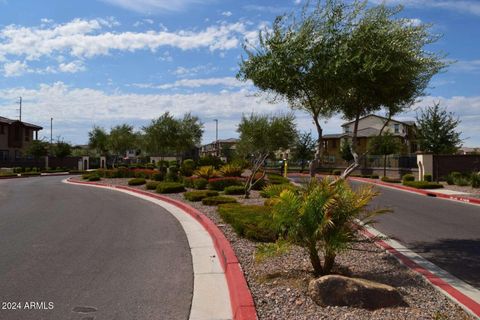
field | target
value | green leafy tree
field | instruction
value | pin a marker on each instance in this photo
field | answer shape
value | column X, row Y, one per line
column 385, row 145
column 385, row 65
column 121, row 139
column 260, row 136
column 98, row 140
column 437, row 131
column 62, row 149
column 37, row 149
column 346, row 151
column 321, row 218
column 303, row 149
column 189, row 135
column 299, row 60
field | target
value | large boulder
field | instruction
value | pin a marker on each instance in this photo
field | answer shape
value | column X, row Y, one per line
column 334, row 290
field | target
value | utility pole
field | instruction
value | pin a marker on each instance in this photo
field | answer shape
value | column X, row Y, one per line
column 217, row 152
column 20, row 110
column 51, row 131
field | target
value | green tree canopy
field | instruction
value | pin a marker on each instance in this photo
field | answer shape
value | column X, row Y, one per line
column 98, row 140
column 121, row 139
column 437, row 131
column 385, row 144
column 260, row 136
column 62, row 149
column 37, row 149
column 303, row 148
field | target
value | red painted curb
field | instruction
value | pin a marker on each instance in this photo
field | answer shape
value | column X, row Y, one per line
column 241, row 300
column 415, row 190
column 436, row 281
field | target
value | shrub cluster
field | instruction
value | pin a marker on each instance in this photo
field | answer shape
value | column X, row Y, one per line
column 422, row 184
column 234, row 190
column 199, row 195
column 220, row 184
column 408, row 177
column 152, row 185
column 200, row 183
column 276, row 179
column 251, row 222
column 216, row 200
column 170, row 187
column 137, row 182
column 428, row 177
column 231, row 170
column 94, row 177
column 391, row 180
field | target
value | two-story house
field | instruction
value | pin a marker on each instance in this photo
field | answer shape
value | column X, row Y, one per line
column 15, row 136
column 368, row 127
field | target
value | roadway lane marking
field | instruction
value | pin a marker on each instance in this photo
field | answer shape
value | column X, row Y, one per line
column 211, row 298
column 455, row 289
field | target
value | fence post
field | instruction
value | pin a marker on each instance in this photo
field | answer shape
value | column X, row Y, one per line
column 425, row 165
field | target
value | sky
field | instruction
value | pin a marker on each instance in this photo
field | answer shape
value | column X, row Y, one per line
column 108, row 62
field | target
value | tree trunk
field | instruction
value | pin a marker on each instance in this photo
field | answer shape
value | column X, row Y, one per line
column 315, row 163
column 353, row 150
column 384, row 165
column 329, row 262
column 315, row 260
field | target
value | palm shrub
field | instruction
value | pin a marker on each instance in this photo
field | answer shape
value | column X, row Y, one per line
column 206, row 172
column 321, row 217
column 231, row 170
column 274, row 190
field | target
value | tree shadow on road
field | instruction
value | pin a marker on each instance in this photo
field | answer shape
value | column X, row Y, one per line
column 460, row 258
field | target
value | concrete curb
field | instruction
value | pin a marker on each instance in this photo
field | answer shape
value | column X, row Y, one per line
column 424, row 192
column 241, row 300
column 453, row 288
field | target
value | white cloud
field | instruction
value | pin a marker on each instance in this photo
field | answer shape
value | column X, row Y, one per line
column 463, row 6
column 72, row 67
column 85, row 38
column 155, row 6
column 183, row 72
column 466, row 66
column 227, row 13
column 16, row 68
column 230, row 82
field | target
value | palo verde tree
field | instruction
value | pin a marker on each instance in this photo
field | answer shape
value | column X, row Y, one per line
column 303, row 149
column 385, row 65
column 384, row 145
column 437, row 130
column 298, row 61
column 260, row 137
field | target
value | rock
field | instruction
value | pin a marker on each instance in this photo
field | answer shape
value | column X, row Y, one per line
column 334, row 290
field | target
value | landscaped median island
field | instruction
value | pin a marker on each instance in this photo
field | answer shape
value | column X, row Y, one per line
column 278, row 266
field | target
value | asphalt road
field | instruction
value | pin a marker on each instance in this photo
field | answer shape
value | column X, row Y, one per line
column 86, row 253
column 444, row 232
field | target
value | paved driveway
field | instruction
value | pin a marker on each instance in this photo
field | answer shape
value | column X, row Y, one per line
column 87, row 253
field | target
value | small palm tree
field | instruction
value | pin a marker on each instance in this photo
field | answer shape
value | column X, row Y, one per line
column 322, row 217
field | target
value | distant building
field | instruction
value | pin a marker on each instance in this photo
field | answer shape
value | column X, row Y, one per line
column 219, row 148
column 467, row 150
column 15, row 137
column 368, row 127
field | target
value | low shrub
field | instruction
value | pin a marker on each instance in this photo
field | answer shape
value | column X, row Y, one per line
column 274, row 190
column 234, row 190
column 25, row 174
column 206, row 172
column 251, row 222
column 170, row 187
column 75, row 171
column 231, row 170
column 158, row 176
column 220, row 184
column 277, row 179
column 475, row 179
column 428, row 177
column 199, row 195
column 8, row 174
column 188, row 182
column 137, row 182
column 94, row 177
column 374, row 176
column 152, row 185
column 408, row 177
column 216, row 200
column 85, row 176
column 270, row 202
column 187, row 167
column 200, row 183
column 390, row 180
column 422, row 184
column 461, row 181
column 336, row 172
column 449, row 180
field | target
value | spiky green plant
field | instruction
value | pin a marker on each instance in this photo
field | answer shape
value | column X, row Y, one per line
column 321, row 217
column 206, row 172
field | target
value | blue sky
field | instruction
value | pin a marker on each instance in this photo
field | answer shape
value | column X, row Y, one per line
column 106, row 62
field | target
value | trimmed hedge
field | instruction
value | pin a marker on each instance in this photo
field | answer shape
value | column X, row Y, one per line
column 152, row 185
column 170, row 187
column 234, row 190
column 219, row 184
column 200, row 183
column 136, row 182
column 199, row 195
column 94, row 178
column 428, row 177
column 387, row 179
column 422, row 184
column 251, row 222
column 408, row 177
column 277, row 179
column 216, row 200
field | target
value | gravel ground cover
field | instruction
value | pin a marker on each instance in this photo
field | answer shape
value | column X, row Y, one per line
column 279, row 285
column 472, row 192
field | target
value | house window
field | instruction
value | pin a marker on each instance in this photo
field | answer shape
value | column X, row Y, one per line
column 396, row 128
column 2, row 129
column 3, row 155
column 27, row 134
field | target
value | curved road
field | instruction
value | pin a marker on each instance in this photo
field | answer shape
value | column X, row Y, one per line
column 86, row 253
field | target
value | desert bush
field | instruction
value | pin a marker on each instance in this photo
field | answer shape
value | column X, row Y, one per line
column 151, row 185
column 231, row 170
column 172, row 174
column 199, row 195
column 137, row 182
column 427, row 177
column 200, row 183
column 234, row 190
column 94, row 177
column 170, row 187
column 422, row 184
column 387, row 179
column 187, row 168
column 461, row 181
column 408, row 177
column 251, row 222
column 475, row 179
column 220, row 184
column 215, row 201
